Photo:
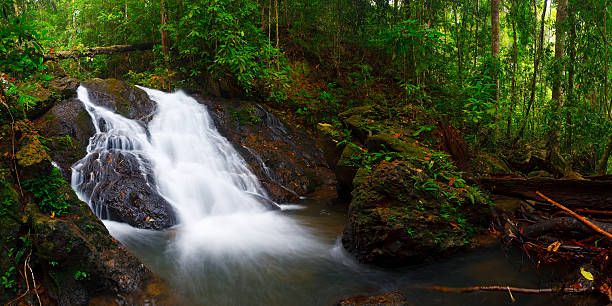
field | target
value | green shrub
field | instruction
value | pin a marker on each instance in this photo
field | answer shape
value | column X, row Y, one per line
column 49, row 191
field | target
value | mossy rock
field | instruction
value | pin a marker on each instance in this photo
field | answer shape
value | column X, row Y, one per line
column 386, row 142
column 67, row 128
column 120, row 97
column 392, row 223
column 487, row 164
column 345, row 169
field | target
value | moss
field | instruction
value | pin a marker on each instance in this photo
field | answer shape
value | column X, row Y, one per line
column 350, row 156
column 387, row 142
column 246, row 115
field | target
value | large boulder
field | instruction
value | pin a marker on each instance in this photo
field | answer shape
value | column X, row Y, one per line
column 392, row 222
column 67, row 127
column 287, row 160
column 116, row 189
column 122, row 98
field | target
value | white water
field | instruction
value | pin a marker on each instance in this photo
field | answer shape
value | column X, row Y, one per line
column 212, row 191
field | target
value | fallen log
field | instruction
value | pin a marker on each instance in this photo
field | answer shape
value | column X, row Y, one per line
column 561, row 224
column 592, row 193
column 98, row 50
column 580, row 218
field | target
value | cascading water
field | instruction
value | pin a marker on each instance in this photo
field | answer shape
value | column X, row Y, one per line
column 222, row 220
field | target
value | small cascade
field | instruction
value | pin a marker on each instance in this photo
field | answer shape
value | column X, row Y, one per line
column 220, row 206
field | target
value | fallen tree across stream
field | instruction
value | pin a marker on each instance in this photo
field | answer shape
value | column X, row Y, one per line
column 89, row 52
column 588, row 193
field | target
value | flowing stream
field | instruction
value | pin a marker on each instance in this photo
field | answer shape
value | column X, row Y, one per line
column 228, row 249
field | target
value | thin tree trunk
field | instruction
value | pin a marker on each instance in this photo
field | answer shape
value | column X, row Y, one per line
column 536, row 64
column 164, row 33
column 602, row 165
column 276, row 12
column 495, row 45
column 458, row 41
column 513, row 98
column 553, row 141
column 477, row 32
column 606, row 62
column 570, row 80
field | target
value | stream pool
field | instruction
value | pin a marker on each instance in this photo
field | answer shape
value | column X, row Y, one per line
column 329, row 274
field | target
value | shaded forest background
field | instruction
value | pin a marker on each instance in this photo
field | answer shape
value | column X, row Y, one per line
column 523, row 75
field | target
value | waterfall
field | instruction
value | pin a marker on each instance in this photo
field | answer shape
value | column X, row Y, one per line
column 217, row 199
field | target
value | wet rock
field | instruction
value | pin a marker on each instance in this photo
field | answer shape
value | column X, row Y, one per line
column 120, row 97
column 79, row 256
column 484, row 164
column 389, row 299
column 345, row 169
column 391, row 222
column 65, row 86
column 67, row 127
column 117, row 190
column 287, row 160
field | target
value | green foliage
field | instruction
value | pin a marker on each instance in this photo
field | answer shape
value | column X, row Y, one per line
column 8, row 279
column 223, row 40
column 8, row 196
column 246, row 116
column 81, row 275
column 50, row 191
column 20, row 47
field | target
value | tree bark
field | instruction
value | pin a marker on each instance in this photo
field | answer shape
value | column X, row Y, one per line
column 98, row 50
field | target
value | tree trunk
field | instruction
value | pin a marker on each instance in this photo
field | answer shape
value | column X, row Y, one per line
column 495, row 45
column 602, row 165
column 553, row 140
column 571, row 99
column 98, row 50
column 164, row 33
column 536, row 64
column 513, row 98
column 606, row 61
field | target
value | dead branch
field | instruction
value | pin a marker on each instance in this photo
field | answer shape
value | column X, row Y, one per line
column 577, row 216
column 512, row 289
column 89, row 52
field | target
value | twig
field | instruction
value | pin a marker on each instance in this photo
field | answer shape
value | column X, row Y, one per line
column 510, row 289
column 34, row 280
column 13, row 145
column 594, row 212
column 575, row 215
